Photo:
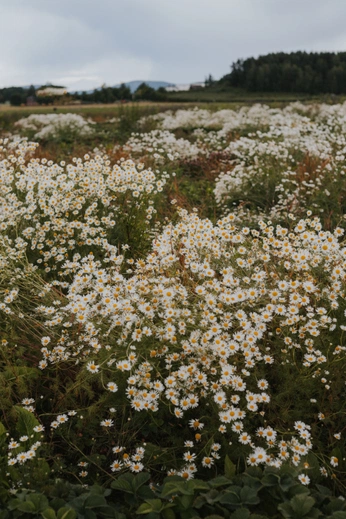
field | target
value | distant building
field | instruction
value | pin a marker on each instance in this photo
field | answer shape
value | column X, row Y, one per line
column 51, row 91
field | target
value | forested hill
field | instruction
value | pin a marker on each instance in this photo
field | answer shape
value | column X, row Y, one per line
column 312, row 73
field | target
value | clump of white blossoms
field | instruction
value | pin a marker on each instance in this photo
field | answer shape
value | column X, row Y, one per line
column 206, row 322
column 50, row 210
column 290, row 162
column 51, row 125
column 162, row 144
column 225, row 120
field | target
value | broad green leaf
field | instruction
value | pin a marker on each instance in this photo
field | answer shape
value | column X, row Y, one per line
column 186, row 501
column 48, row 513
column 156, row 505
column 145, row 508
column 95, row 501
column 249, row 496
column 323, row 490
column 230, row 468
column 27, row 506
column 140, row 480
column 270, row 480
column 286, row 482
column 220, row 481
column 3, row 429
column 170, row 489
column 210, row 497
column 26, row 421
column 335, row 505
column 89, row 514
column 66, row 513
column 122, row 485
column 40, row 501
column 286, row 510
column 241, row 513
column 231, row 496
column 167, row 513
column 302, row 504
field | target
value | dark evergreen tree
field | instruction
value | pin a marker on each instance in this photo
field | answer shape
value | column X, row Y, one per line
column 311, row 73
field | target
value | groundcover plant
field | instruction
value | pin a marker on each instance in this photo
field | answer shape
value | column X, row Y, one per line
column 142, row 335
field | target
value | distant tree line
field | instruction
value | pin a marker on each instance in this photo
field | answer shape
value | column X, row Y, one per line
column 19, row 95
column 16, row 95
column 104, row 95
column 122, row 93
column 311, row 73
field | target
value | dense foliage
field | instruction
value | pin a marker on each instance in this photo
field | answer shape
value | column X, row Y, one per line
column 313, row 73
column 105, row 94
column 16, row 95
column 255, row 494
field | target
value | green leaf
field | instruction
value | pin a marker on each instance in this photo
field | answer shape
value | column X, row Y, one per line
column 156, row 505
column 220, row 481
column 298, row 507
column 66, row 513
column 186, row 501
column 230, row 468
column 270, row 480
column 89, row 514
column 26, row 421
column 145, row 508
column 323, row 490
column 27, row 506
column 249, row 496
column 145, row 492
column 49, row 513
column 286, row 510
column 198, row 484
column 231, row 496
column 95, row 501
column 286, row 482
column 40, row 501
column 241, row 513
column 177, row 487
column 314, row 465
column 140, row 480
column 167, row 513
column 335, row 505
column 210, row 497
column 3, row 429
column 302, row 504
column 122, row 485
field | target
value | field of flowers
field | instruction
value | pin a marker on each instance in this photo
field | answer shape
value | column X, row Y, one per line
column 173, row 299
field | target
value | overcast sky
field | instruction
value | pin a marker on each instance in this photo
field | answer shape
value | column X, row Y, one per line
column 82, row 44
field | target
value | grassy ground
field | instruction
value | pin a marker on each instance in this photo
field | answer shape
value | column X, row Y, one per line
column 134, row 110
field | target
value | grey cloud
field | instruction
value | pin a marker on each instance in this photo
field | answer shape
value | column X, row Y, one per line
column 180, row 40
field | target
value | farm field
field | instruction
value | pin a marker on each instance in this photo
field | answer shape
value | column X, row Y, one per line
column 173, row 304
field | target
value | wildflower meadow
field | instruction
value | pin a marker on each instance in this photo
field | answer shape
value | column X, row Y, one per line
column 173, row 313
